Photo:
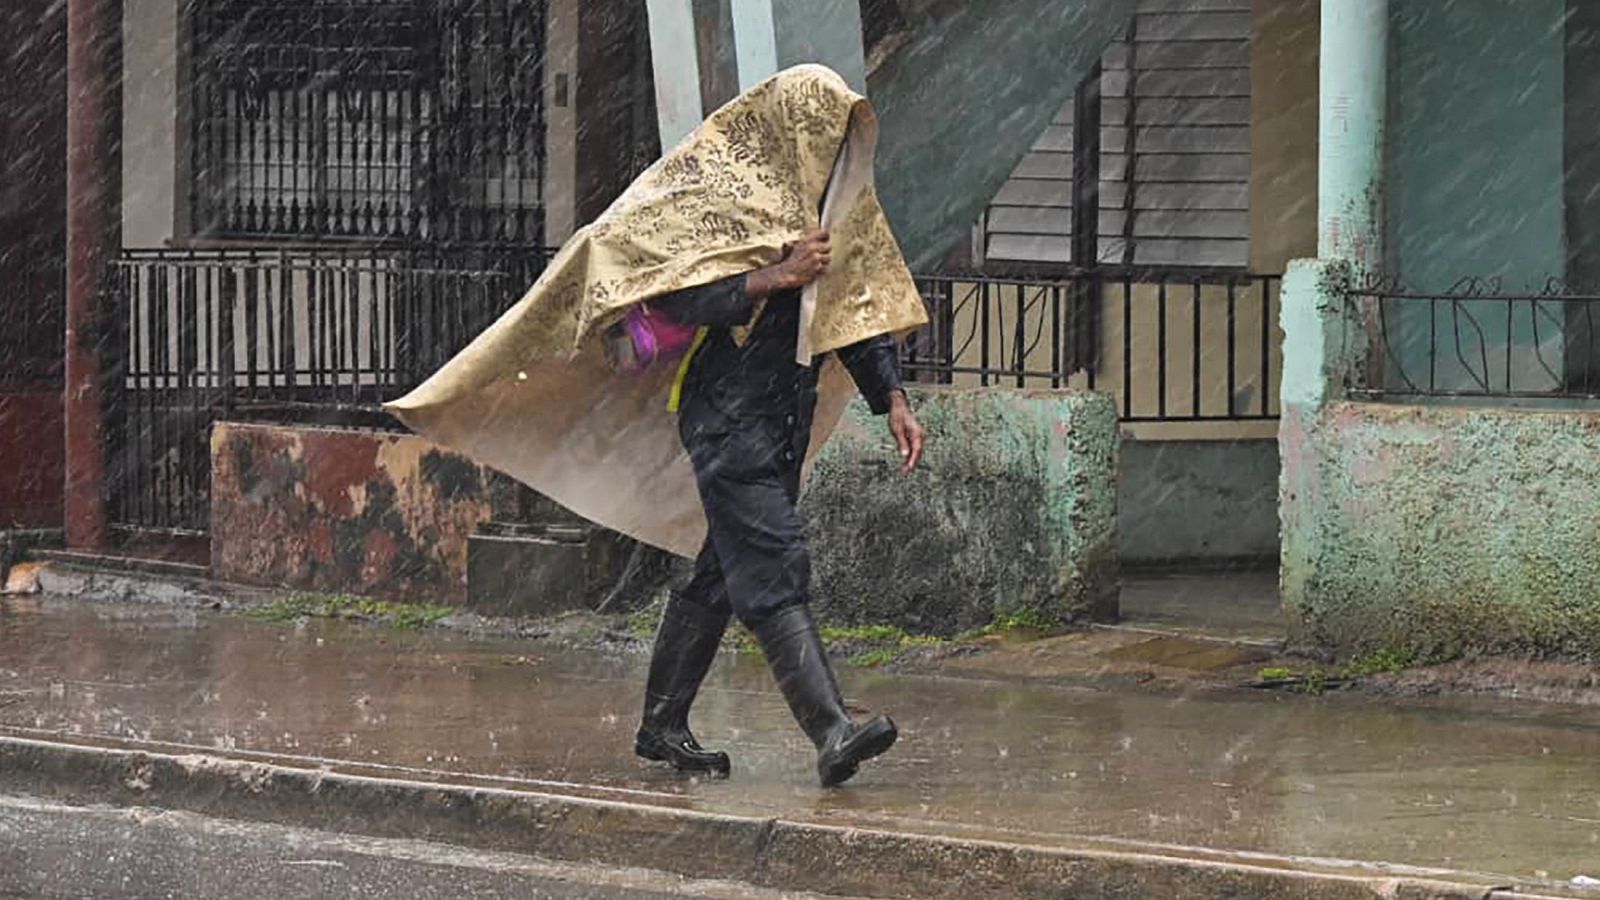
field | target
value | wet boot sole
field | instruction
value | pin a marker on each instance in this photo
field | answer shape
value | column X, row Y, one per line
column 873, row 739
column 655, row 749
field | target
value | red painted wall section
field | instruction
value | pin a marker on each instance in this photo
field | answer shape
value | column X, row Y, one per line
column 343, row 510
column 33, row 147
column 32, row 459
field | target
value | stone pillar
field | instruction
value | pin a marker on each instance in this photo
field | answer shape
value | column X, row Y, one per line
column 1354, row 87
column 1326, row 339
column 674, row 56
column 705, row 51
column 94, row 236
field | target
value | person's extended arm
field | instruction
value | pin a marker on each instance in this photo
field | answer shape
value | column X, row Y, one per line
column 729, row 302
column 874, row 365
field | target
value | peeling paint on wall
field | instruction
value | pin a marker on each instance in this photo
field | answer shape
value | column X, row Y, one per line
column 343, row 510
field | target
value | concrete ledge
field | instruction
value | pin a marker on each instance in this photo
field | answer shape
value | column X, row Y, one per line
column 1013, row 511
column 765, row 851
column 1442, row 530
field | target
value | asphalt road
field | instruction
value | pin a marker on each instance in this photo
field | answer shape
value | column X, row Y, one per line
column 52, row 851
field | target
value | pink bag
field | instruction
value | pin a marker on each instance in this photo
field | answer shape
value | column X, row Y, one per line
column 644, row 338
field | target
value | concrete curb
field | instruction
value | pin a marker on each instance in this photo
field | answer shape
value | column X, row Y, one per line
column 770, row 852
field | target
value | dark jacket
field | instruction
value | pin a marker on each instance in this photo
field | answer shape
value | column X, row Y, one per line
column 758, row 389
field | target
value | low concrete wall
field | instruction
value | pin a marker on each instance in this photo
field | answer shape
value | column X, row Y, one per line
column 1197, row 502
column 1014, row 508
column 343, row 510
column 1442, row 529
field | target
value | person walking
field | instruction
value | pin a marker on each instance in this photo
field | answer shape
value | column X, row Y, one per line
column 676, row 364
column 745, row 419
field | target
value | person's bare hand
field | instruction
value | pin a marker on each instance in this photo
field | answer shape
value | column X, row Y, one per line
column 907, row 431
column 805, row 262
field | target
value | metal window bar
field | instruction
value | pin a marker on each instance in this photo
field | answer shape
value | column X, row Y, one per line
column 1175, row 346
column 372, row 120
column 325, row 335
column 314, row 334
column 1476, row 340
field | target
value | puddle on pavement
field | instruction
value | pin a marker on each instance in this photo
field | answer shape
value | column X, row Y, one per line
column 1486, row 787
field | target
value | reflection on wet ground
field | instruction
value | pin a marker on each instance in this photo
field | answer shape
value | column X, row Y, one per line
column 1491, row 788
column 1234, row 605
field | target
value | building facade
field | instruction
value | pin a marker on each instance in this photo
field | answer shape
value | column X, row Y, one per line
column 285, row 212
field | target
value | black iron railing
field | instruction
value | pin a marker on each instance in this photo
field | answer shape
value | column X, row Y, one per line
column 1169, row 345
column 1477, row 339
column 312, row 335
column 318, row 335
column 367, row 119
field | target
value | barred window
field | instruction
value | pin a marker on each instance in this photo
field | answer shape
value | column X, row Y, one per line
column 368, row 119
column 1174, row 151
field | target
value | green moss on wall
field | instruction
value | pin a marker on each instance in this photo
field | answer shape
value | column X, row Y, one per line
column 1012, row 513
column 1438, row 531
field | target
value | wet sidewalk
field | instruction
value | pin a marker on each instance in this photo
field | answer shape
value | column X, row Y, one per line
column 1483, row 787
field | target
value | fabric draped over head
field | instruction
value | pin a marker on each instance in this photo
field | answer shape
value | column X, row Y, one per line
column 534, row 395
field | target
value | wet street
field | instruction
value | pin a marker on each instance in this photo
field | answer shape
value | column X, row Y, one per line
column 50, row 852
column 1485, row 787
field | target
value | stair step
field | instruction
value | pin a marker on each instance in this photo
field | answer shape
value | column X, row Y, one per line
column 526, row 575
column 117, row 562
column 561, row 533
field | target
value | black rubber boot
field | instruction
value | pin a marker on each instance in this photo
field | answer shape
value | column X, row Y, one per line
column 686, row 644
column 798, row 660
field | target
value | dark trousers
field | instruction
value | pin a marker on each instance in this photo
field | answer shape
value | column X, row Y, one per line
column 754, row 560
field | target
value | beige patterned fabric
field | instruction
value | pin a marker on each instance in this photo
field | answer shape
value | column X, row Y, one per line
column 534, row 397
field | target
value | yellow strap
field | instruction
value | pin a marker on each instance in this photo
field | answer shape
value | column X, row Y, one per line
column 676, row 397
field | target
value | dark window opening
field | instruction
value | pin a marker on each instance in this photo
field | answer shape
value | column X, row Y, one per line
column 370, row 120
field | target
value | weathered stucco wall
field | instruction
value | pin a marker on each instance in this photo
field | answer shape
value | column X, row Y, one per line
column 1014, row 509
column 1447, row 529
column 343, row 510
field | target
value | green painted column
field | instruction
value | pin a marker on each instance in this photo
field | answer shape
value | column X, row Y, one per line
column 1325, row 339
column 674, row 55
column 705, row 51
column 1354, row 87
column 755, row 39
column 1324, row 342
